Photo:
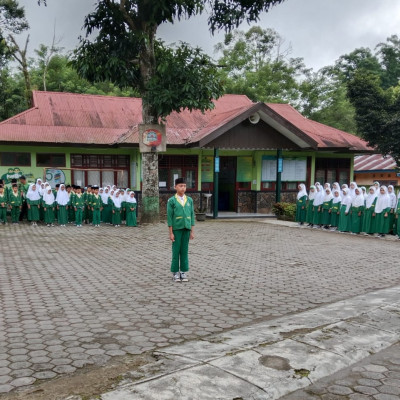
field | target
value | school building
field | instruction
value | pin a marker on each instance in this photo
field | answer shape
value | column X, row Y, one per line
column 369, row 168
column 89, row 139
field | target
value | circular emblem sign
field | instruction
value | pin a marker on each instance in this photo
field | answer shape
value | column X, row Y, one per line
column 152, row 137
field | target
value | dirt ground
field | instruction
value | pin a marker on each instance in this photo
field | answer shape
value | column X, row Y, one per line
column 87, row 383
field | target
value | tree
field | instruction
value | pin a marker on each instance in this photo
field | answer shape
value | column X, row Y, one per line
column 377, row 113
column 126, row 52
column 12, row 21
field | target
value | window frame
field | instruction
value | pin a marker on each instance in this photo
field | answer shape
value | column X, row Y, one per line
column 15, row 164
column 52, row 164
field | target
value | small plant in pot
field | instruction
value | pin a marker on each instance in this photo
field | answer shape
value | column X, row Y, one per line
column 200, row 213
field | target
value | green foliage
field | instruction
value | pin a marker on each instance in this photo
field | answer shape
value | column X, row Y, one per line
column 283, row 208
column 12, row 94
column 125, row 51
column 12, row 21
column 184, row 78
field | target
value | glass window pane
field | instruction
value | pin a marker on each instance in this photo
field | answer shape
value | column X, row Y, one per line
column 79, row 178
column 122, row 179
column 190, row 179
column 344, row 177
column 331, row 175
column 320, row 176
column 107, row 178
column 93, row 177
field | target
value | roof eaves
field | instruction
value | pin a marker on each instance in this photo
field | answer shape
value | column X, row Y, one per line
column 226, row 126
column 290, row 126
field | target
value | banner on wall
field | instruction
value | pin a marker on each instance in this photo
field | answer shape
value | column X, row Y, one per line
column 55, row 176
column 16, row 173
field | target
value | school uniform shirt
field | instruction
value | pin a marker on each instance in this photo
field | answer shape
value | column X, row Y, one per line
column 180, row 213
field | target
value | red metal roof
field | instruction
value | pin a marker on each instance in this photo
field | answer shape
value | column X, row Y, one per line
column 374, row 162
column 324, row 135
column 59, row 117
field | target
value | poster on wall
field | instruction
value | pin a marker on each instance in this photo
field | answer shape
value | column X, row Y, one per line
column 294, row 169
column 207, row 173
column 55, row 176
column 16, row 173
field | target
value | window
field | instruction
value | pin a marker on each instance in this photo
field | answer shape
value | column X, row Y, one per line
column 100, row 161
column 50, row 160
column 13, row 159
column 104, row 169
column 172, row 167
column 332, row 170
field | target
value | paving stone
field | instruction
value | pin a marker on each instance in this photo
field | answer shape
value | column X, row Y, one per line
column 339, row 390
column 395, row 390
column 22, row 381
column 6, row 388
column 382, row 396
column 369, row 382
column 64, row 369
column 44, row 375
column 375, row 368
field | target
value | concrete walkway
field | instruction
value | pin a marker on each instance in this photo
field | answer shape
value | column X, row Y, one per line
column 271, row 359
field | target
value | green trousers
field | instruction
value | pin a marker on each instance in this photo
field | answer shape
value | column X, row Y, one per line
column 96, row 215
column 180, row 249
column 78, row 216
column 15, row 212
column 3, row 214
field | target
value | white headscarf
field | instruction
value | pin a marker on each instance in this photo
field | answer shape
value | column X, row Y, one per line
column 392, row 196
column 117, row 199
column 33, row 195
column 62, row 198
column 346, row 200
column 319, row 196
column 358, row 199
column 302, row 191
column 48, row 198
column 311, row 195
column 370, row 197
column 383, row 200
column 336, row 199
column 352, row 192
column 328, row 196
column 131, row 199
column 105, row 195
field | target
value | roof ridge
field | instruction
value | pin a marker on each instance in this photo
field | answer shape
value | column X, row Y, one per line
column 42, row 92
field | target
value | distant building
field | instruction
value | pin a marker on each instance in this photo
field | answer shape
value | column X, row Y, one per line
column 369, row 168
column 88, row 139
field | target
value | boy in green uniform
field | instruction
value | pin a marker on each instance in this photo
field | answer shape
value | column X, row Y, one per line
column 3, row 205
column 180, row 216
column 15, row 203
column 96, row 205
column 79, row 206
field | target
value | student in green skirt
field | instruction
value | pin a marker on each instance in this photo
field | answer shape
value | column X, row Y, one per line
column 130, row 207
column 48, row 205
column 33, row 201
column 397, row 216
column 335, row 209
column 326, row 208
column 310, row 203
column 62, row 200
column 382, row 211
column 393, row 204
column 301, row 204
column 318, row 200
column 116, row 209
column 368, row 225
column 345, row 205
column 357, row 211
column 106, row 213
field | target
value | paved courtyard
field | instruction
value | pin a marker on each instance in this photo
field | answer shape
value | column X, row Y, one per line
column 74, row 297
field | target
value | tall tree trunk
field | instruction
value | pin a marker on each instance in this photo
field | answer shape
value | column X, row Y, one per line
column 150, row 190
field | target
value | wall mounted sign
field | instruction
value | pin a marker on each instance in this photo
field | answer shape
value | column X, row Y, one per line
column 152, row 138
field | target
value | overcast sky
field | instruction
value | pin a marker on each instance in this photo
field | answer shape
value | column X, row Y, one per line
column 320, row 31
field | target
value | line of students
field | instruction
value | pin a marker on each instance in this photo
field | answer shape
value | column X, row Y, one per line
column 349, row 209
column 67, row 204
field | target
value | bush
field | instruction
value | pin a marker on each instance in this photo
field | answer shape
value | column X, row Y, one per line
column 286, row 209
